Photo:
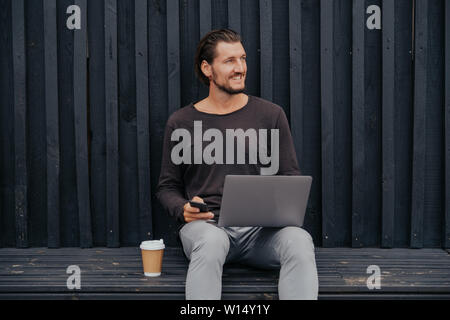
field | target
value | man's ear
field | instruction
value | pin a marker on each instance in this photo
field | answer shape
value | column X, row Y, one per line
column 206, row 69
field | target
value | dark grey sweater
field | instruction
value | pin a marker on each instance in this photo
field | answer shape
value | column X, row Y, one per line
column 179, row 183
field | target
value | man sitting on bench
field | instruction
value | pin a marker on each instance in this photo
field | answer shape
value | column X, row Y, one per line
column 195, row 163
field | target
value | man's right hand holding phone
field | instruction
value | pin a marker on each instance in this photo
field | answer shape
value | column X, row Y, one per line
column 192, row 214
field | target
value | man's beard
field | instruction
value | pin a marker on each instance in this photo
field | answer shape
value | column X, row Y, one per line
column 227, row 89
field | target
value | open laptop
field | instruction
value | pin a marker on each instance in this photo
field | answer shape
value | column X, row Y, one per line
column 264, row 201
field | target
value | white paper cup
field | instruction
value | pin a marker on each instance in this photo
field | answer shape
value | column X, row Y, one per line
column 152, row 254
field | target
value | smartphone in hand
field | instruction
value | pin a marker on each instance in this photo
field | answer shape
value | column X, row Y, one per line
column 202, row 206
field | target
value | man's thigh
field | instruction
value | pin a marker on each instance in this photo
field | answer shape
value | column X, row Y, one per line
column 264, row 248
column 201, row 233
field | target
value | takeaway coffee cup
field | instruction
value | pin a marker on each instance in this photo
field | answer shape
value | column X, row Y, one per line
column 152, row 255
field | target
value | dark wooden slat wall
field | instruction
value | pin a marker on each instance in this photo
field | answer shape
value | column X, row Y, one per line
column 295, row 74
column 280, row 55
column 342, row 115
column 359, row 191
column 205, row 21
column 434, row 186
column 158, row 90
column 36, row 122
column 265, row 13
column 327, row 133
column 428, row 178
column 87, row 110
column 310, row 127
column 366, row 132
column 7, row 228
column 127, row 124
column 189, row 35
column 336, row 87
column 173, row 55
column 80, row 121
column 447, row 126
column 52, row 123
column 97, row 119
column 112, row 124
column 20, row 123
column 69, row 220
column 218, row 15
column 205, row 16
column 403, row 120
column 388, row 132
column 420, row 101
column 250, row 31
column 304, row 96
column 143, row 120
column 234, row 15
column 373, row 120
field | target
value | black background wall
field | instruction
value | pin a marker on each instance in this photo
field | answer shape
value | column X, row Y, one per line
column 82, row 113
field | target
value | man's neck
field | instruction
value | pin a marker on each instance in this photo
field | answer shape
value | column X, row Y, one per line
column 222, row 103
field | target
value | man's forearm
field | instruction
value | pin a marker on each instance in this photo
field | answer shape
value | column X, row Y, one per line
column 173, row 202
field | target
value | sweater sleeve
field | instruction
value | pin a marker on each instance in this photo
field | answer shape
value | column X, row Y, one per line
column 288, row 158
column 170, row 190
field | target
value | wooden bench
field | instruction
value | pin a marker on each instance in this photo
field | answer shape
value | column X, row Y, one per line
column 116, row 273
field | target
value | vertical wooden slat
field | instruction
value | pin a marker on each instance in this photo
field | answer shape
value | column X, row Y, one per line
column 36, row 124
column 250, row 31
column 69, row 218
column 388, row 123
column 358, row 123
column 446, row 231
column 7, row 233
column 403, row 122
column 420, row 116
column 265, row 25
column 158, row 84
column 296, row 83
column 173, row 55
column 327, row 78
column 97, row 120
column 52, row 123
column 128, row 153
column 434, row 159
column 234, row 15
column 310, row 159
column 142, row 114
column 20, row 121
column 112, row 135
column 205, row 16
column 80, row 118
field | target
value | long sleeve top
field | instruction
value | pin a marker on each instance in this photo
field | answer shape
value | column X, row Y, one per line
column 195, row 160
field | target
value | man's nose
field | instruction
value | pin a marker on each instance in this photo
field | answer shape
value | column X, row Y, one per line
column 239, row 67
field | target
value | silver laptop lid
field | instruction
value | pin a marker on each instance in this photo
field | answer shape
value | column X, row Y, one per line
column 265, row 201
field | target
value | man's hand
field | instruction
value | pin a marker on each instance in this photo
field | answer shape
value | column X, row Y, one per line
column 192, row 214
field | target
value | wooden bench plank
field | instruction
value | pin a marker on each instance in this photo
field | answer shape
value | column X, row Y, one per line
column 112, row 273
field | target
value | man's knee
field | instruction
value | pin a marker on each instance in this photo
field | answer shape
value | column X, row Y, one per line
column 209, row 242
column 296, row 243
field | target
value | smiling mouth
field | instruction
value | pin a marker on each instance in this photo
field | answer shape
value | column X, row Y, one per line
column 238, row 77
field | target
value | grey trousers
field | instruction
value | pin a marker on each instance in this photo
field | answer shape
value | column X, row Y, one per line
column 208, row 247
